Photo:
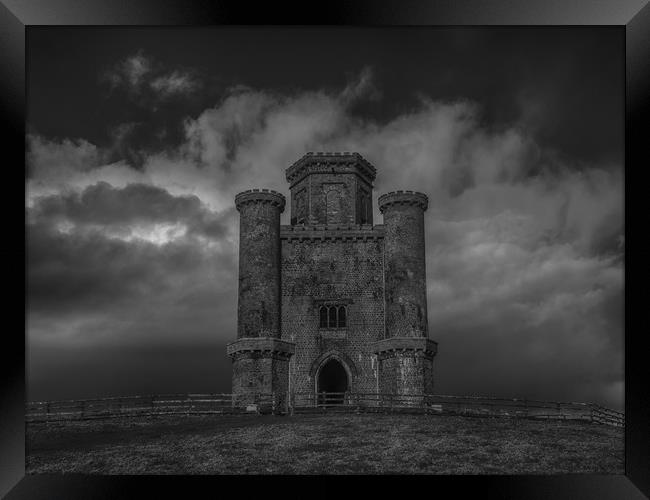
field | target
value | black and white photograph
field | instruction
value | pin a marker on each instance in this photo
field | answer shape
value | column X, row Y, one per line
column 280, row 250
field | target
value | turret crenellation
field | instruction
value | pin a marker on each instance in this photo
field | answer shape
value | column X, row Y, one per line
column 320, row 161
column 403, row 197
column 260, row 196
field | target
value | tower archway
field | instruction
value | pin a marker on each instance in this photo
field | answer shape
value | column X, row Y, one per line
column 332, row 381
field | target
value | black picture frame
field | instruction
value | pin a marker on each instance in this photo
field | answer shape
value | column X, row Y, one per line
column 633, row 16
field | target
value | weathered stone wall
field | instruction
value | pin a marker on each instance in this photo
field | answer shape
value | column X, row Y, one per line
column 255, row 373
column 405, row 273
column 407, row 372
column 322, row 265
column 331, row 198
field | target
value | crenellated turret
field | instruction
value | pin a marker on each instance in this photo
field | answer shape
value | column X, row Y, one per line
column 406, row 354
column 260, row 358
column 404, row 263
column 258, row 311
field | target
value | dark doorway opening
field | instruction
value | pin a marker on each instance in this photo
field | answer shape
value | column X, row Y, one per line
column 332, row 383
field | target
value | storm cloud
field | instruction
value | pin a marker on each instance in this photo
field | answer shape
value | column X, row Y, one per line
column 525, row 246
column 141, row 77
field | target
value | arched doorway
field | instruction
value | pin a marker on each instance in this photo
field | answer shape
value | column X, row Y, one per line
column 332, row 378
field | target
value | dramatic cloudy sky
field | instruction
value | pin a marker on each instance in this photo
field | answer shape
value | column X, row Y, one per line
column 138, row 140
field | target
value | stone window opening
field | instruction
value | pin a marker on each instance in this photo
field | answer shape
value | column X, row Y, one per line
column 363, row 209
column 323, row 317
column 334, row 316
column 341, row 317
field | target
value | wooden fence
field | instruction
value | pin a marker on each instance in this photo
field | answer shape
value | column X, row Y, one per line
column 166, row 404
column 454, row 405
column 205, row 404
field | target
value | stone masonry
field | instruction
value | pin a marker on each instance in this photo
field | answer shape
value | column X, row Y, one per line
column 331, row 302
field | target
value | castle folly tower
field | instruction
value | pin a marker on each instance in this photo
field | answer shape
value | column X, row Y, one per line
column 260, row 357
column 405, row 355
column 347, row 296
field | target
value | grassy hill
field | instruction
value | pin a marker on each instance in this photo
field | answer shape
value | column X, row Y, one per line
column 321, row 444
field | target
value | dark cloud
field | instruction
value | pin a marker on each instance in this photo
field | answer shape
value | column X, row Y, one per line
column 121, row 209
column 94, row 277
column 87, row 270
column 149, row 81
column 563, row 84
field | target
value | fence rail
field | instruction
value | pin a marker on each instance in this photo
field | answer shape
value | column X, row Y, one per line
column 205, row 404
column 167, row 404
column 455, row 405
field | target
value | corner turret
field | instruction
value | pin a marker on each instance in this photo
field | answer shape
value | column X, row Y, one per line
column 260, row 358
column 406, row 353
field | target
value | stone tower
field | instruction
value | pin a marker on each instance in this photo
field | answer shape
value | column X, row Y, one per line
column 260, row 357
column 405, row 354
column 331, row 302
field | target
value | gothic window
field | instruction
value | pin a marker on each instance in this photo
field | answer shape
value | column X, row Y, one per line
column 367, row 209
column 333, row 316
column 331, row 323
column 341, row 321
column 301, row 207
column 364, row 207
column 333, row 207
column 323, row 317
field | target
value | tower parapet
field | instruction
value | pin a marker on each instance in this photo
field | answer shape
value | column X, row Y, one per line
column 413, row 198
column 260, row 358
column 269, row 196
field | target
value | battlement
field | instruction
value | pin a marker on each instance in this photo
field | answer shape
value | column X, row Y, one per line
column 324, row 162
column 403, row 198
column 260, row 196
column 323, row 232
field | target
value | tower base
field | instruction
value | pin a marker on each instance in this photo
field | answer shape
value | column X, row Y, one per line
column 260, row 366
column 406, row 366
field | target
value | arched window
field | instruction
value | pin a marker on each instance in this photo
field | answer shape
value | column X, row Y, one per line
column 341, row 322
column 333, row 207
column 368, row 209
column 332, row 317
column 323, row 317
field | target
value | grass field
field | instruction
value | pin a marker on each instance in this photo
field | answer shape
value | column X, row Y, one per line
column 321, row 444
